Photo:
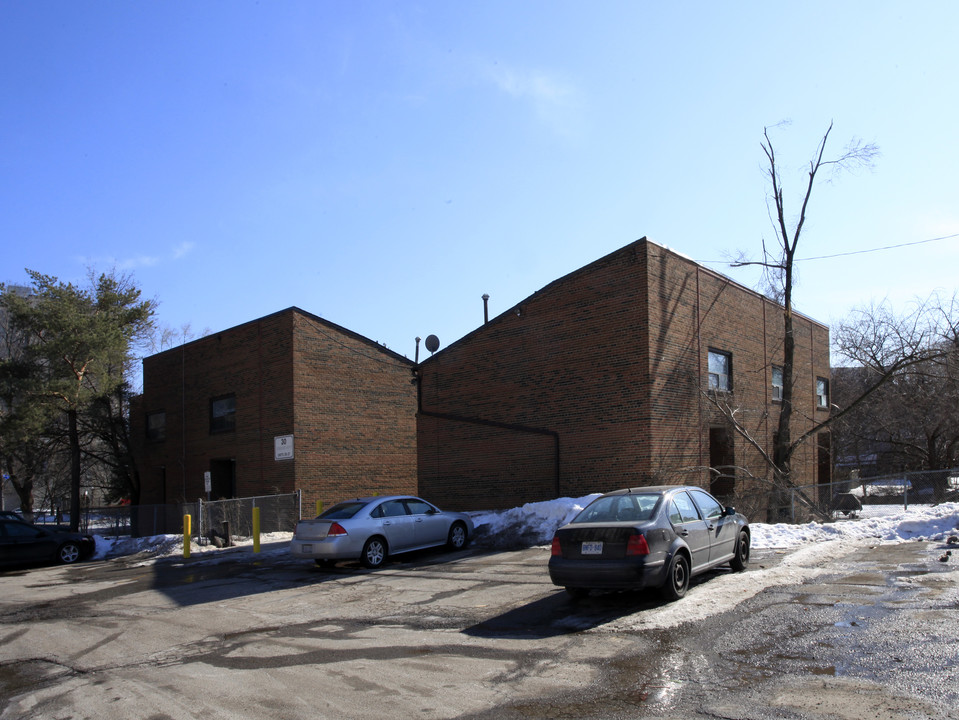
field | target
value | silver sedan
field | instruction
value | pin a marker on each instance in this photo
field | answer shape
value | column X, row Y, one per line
column 373, row 528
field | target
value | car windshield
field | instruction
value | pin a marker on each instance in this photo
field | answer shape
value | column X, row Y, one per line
column 620, row 508
column 342, row 511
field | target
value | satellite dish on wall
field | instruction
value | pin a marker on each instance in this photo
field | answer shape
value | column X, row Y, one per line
column 432, row 343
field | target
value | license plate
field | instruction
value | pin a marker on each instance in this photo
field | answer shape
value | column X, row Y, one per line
column 307, row 548
column 592, row 548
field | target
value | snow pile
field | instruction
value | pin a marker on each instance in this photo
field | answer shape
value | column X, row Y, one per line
column 535, row 524
column 925, row 522
column 531, row 524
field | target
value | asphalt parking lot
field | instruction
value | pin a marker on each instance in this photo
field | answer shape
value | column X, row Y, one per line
column 854, row 632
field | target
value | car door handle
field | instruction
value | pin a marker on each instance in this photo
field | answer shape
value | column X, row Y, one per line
column 684, row 532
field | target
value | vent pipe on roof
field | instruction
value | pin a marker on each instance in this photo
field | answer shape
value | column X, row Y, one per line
column 485, row 308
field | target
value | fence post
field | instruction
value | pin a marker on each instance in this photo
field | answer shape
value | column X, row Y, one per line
column 256, row 529
column 186, row 536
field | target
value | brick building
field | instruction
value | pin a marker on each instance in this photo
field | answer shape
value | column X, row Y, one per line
column 607, row 377
column 287, row 402
column 610, row 377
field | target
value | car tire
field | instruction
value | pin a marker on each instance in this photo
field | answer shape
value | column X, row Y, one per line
column 740, row 560
column 374, row 552
column 457, row 537
column 677, row 579
column 68, row 553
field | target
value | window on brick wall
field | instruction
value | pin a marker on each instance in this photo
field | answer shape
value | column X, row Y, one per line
column 777, row 384
column 156, row 426
column 223, row 414
column 822, row 393
column 720, row 366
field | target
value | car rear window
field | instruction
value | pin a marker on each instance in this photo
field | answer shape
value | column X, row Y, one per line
column 620, row 508
column 342, row 511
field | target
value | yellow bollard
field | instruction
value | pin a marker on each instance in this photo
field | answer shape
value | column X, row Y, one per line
column 186, row 535
column 319, row 508
column 256, row 529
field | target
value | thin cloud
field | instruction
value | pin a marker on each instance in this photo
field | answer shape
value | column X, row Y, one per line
column 555, row 101
column 183, row 249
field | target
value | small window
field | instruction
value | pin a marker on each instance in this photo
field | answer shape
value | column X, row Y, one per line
column 223, row 414
column 720, row 371
column 777, row 384
column 156, row 426
column 822, row 393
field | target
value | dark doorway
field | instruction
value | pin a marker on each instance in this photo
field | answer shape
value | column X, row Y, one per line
column 824, row 463
column 222, row 479
column 722, row 456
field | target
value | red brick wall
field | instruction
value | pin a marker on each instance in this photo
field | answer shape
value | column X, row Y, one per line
column 456, row 461
column 695, row 309
column 251, row 361
column 348, row 402
column 612, row 358
column 355, row 418
column 570, row 359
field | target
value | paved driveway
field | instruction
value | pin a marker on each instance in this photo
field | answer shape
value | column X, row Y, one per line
column 823, row 633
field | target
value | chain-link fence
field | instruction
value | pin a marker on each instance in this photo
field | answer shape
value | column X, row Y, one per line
column 234, row 518
column 874, row 496
column 222, row 518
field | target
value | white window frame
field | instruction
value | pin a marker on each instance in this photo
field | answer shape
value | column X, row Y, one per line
column 720, row 381
column 822, row 393
column 777, row 391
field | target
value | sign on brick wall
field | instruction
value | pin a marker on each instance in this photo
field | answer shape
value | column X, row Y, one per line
column 283, row 447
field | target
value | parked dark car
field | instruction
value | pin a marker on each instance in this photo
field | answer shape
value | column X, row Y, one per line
column 24, row 544
column 648, row 537
column 371, row 529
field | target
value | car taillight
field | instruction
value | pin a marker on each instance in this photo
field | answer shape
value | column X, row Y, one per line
column 637, row 545
column 556, row 550
column 336, row 530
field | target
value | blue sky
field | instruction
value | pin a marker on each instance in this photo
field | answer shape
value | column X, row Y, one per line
column 384, row 164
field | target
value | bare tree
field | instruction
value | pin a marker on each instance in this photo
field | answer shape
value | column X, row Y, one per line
column 778, row 264
column 907, row 413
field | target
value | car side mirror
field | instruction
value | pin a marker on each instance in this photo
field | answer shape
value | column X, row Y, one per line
column 730, row 510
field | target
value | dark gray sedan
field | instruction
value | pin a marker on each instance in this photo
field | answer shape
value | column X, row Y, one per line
column 24, row 544
column 371, row 529
column 648, row 537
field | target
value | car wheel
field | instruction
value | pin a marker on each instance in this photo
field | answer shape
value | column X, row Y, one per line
column 374, row 552
column 68, row 553
column 677, row 582
column 740, row 560
column 457, row 538
column 577, row 593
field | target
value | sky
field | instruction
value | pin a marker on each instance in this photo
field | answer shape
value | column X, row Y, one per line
column 385, row 164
